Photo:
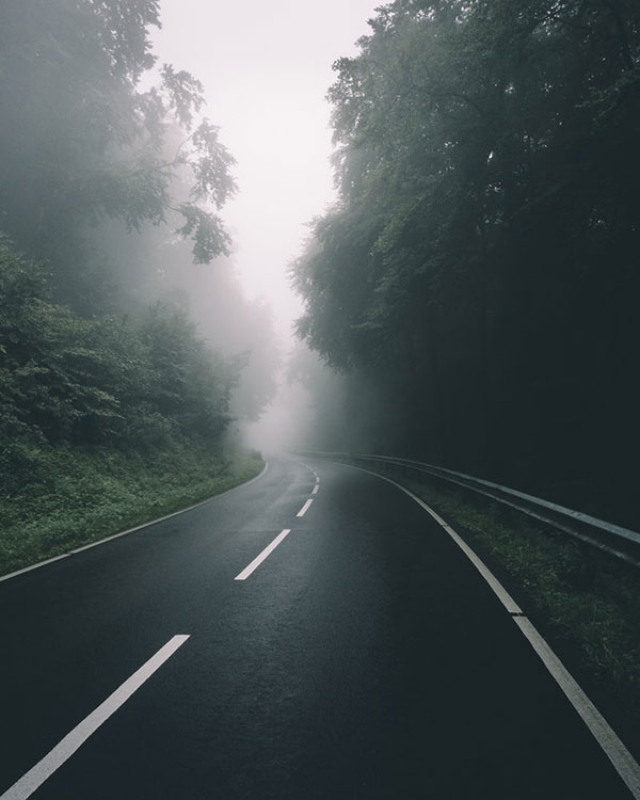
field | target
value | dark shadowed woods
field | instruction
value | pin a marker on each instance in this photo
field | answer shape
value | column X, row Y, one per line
column 476, row 280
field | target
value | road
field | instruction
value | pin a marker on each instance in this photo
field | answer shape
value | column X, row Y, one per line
column 364, row 657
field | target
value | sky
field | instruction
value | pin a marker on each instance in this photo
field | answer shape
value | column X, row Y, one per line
column 266, row 68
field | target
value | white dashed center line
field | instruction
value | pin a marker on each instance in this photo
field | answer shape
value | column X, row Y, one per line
column 37, row 775
column 259, row 559
column 304, row 509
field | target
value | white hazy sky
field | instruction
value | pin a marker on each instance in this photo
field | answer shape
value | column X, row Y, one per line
column 266, row 68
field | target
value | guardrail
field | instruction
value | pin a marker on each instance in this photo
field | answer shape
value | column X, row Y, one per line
column 620, row 542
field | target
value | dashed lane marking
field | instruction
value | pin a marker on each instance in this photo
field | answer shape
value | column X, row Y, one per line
column 258, row 560
column 37, row 775
column 144, row 525
column 304, row 508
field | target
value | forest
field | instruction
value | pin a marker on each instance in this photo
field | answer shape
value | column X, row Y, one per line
column 128, row 353
column 474, row 285
column 469, row 298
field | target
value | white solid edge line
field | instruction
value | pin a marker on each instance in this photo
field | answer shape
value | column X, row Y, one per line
column 258, row 560
column 34, row 566
column 304, row 508
column 38, row 774
column 621, row 759
column 316, row 489
column 131, row 530
column 624, row 763
column 498, row 589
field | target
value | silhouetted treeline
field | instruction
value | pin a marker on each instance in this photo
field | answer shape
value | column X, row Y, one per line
column 480, row 272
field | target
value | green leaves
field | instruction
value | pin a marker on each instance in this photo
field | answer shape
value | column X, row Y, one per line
column 74, row 380
column 80, row 141
column 209, row 163
column 483, row 250
column 206, row 231
column 211, row 166
column 184, row 94
column 455, row 121
column 124, row 37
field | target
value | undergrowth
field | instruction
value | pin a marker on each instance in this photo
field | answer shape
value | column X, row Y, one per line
column 74, row 497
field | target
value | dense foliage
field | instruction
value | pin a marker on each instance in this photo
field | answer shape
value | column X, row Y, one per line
column 479, row 271
column 111, row 186
column 128, row 384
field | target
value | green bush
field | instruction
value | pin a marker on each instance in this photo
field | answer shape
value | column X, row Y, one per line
column 69, row 380
column 104, row 422
column 76, row 497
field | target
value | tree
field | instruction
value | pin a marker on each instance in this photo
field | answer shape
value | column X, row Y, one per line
column 480, row 261
column 82, row 142
column 68, row 380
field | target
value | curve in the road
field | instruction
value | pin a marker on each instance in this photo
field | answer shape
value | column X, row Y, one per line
column 624, row 763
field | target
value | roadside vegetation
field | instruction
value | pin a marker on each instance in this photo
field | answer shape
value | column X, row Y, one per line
column 104, row 422
column 75, row 498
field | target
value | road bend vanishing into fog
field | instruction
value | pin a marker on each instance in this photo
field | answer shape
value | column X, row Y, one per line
column 363, row 657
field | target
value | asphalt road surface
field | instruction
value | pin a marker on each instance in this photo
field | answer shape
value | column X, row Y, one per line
column 363, row 657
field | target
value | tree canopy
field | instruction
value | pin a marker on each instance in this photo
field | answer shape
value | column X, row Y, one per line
column 82, row 141
column 480, row 260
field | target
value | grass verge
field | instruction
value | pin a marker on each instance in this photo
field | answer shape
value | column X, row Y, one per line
column 73, row 498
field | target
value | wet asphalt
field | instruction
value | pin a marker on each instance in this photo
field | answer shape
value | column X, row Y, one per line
column 364, row 658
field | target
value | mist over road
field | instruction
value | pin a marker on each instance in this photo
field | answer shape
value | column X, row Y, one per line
column 335, row 644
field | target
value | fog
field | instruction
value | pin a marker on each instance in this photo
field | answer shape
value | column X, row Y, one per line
column 111, row 243
column 266, row 69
